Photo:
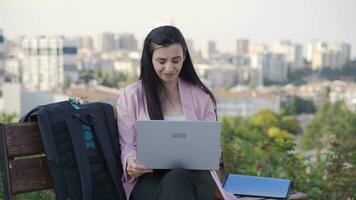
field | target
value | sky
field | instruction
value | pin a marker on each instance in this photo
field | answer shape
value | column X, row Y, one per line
column 222, row 21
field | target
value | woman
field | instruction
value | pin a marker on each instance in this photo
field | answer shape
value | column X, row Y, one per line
column 168, row 89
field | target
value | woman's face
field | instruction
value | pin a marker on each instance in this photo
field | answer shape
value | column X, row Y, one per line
column 168, row 61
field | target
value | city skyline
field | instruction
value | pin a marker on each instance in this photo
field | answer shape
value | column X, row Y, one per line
column 223, row 21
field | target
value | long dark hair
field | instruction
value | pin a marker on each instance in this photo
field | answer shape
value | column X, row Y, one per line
column 152, row 84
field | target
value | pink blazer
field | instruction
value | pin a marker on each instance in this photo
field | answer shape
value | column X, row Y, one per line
column 197, row 105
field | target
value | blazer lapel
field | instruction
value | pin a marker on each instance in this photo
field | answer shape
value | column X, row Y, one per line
column 187, row 100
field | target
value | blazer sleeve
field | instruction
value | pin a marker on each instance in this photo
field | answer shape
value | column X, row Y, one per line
column 209, row 115
column 208, row 109
column 127, row 132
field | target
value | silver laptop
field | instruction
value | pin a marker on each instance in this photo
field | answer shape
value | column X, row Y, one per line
column 178, row 144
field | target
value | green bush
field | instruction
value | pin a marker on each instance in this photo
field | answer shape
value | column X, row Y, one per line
column 249, row 149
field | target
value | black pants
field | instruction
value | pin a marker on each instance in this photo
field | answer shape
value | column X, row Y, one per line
column 173, row 185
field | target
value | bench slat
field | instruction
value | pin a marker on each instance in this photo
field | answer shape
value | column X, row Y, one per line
column 23, row 139
column 29, row 175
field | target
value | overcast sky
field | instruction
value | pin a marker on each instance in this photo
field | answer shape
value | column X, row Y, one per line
column 221, row 20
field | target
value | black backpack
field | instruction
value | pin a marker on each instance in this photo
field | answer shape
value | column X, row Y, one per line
column 82, row 148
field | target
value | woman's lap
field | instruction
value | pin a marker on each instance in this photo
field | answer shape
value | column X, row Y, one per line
column 194, row 184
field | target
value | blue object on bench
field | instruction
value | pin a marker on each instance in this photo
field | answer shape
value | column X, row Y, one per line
column 255, row 186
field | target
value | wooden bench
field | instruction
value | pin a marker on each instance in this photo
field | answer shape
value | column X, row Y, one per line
column 23, row 163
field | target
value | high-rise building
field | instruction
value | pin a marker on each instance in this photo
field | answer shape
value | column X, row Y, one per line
column 106, row 42
column 258, row 48
column 242, row 47
column 331, row 56
column 85, row 42
column 2, row 56
column 345, row 52
column 13, row 67
column 293, row 53
column 127, row 41
column 49, row 62
column 269, row 66
column 208, row 48
column 276, row 67
column 314, row 47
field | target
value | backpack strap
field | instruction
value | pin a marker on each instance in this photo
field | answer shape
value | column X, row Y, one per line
column 52, row 154
column 108, row 153
column 27, row 117
column 76, row 133
column 113, row 130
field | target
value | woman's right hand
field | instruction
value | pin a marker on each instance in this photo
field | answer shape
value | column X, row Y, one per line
column 134, row 169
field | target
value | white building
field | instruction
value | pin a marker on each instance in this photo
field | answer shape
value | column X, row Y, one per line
column 256, row 48
column 313, row 47
column 276, row 68
column 13, row 70
column 127, row 41
column 293, row 53
column 208, row 48
column 331, row 56
column 344, row 51
column 48, row 62
column 16, row 99
column 19, row 101
column 240, row 60
column 85, row 42
column 129, row 67
column 242, row 47
column 246, row 75
column 245, row 103
column 2, row 57
column 222, row 75
column 270, row 66
column 106, row 42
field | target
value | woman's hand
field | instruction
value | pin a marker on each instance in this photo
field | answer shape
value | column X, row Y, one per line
column 135, row 170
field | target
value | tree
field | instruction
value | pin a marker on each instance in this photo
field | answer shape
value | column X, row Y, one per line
column 265, row 119
column 276, row 132
column 290, row 124
column 258, row 146
column 297, row 105
column 332, row 120
column 86, row 75
column 67, row 82
column 349, row 70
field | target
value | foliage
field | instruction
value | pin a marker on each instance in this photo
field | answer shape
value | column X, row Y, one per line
column 7, row 118
column 67, row 81
column 266, row 119
column 290, row 124
column 250, row 149
column 296, row 77
column 346, row 72
column 276, row 132
column 340, row 170
column 331, row 120
column 297, row 105
column 109, row 78
column 260, row 145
